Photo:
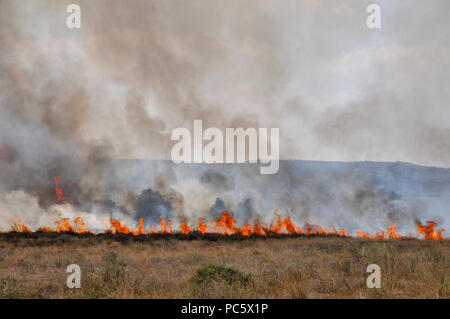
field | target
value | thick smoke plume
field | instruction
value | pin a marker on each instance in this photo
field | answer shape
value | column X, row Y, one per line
column 84, row 104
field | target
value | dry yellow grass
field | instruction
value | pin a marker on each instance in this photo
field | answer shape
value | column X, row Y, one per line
column 271, row 268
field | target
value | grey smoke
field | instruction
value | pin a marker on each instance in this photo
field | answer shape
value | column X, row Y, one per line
column 77, row 103
column 150, row 205
column 246, row 211
column 218, row 207
column 117, row 87
column 217, row 180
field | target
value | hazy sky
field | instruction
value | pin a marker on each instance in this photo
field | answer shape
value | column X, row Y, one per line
column 136, row 70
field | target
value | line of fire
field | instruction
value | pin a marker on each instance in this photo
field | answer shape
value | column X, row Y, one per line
column 224, row 225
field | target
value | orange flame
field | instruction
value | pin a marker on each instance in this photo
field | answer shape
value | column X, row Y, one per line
column 20, row 227
column 202, row 227
column 226, row 225
column 391, row 233
column 428, row 231
column 117, row 227
column 140, row 229
column 184, row 228
column 59, row 191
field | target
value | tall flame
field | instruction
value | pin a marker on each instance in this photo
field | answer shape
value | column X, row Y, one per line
column 428, row 231
column 59, row 191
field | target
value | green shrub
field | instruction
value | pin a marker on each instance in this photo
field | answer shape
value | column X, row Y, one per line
column 221, row 274
column 217, row 281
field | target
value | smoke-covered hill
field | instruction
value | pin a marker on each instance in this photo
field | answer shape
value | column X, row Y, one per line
column 357, row 196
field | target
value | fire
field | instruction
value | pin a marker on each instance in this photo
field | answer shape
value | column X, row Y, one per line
column 64, row 225
column 80, row 226
column 226, row 225
column 117, row 227
column 20, row 227
column 428, row 231
column 59, row 191
column 46, row 230
column 257, row 228
column 202, row 227
column 164, row 226
column 140, row 229
column 391, row 233
column 184, row 228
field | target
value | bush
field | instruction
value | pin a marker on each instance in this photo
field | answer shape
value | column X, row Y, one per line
column 221, row 274
column 217, row 281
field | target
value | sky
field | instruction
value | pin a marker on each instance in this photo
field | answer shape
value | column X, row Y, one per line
column 135, row 70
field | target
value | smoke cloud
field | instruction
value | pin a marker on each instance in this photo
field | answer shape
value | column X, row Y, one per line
column 86, row 104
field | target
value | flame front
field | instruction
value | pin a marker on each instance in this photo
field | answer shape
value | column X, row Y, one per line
column 226, row 225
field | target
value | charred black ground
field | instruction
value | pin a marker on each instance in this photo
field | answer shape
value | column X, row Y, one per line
column 44, row 238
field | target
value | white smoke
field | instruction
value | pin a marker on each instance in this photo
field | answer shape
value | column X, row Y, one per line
column 18, row 205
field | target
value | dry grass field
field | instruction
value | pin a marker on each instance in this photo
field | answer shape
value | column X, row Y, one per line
column 314, row 267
